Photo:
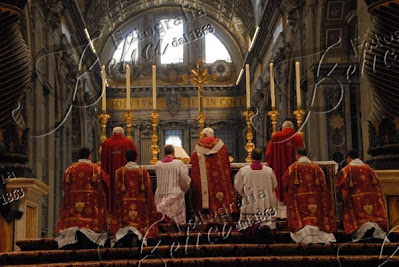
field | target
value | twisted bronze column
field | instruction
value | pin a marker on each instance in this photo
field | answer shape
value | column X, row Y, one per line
column 381, row 67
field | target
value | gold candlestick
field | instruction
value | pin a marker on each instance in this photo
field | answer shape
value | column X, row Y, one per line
column 249, row 146
column 299, row 114
column 104, row 117
column 201, row 121
column 128, row 119
column 273, row 114
column 154, row 147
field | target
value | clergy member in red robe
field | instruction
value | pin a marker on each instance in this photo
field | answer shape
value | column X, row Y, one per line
column 365, row 214
column 280, row 154
column 83, row 210
column 310, row 212
column 134, row 209
column 212, row 189
column 113, row 153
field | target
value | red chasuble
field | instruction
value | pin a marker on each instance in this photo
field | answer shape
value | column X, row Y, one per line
column 308, row 198
column 210, row 178
column 280, row 154
column 113, row 155
column 134, row 203
column 362, row 196
column 85, row 186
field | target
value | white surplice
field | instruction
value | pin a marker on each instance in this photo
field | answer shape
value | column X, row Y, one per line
column 257, row 188
column 172, row 183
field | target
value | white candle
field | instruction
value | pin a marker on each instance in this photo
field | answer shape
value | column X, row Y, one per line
column 104, row 98
column 272, row 92
column 248, row 86
column 128, row 87
column 298, row 84
column 154, row 87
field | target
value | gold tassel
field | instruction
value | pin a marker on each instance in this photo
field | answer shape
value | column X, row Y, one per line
column 93, row 178
column 142, row 183
column 296, row 181
column 67, row 179
column 317, row 181
column 350, row 176
column 123, row 188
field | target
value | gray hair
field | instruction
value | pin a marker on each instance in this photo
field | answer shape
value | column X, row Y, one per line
column 208, row 132
column 118, row 130
column 288, row 124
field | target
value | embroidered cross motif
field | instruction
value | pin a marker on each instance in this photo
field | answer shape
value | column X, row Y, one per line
column 368, row 209
column 79, row 206
column 219, row 196
column 133, row 215
column 312, row 208
column 115, row 152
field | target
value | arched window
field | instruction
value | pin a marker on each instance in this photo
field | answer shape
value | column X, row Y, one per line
column 172, row 54
column 215, row 50
column 128, row 49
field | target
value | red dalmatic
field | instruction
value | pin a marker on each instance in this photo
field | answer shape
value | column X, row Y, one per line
column 85, row 186
column 211, row 182
column 280, row 154
column 113, row 155
column 362, row 196
column 308, row 198
column 134, row 203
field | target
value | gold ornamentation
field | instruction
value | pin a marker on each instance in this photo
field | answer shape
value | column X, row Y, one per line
column 200, row 77
column 299, row 114
column 368, row 209
column 128, row 119
column 79, row 206
column 312, row 208
column 220, row 196
column 273, row 114
column 249, row 146
column 133, row 215
column 154, row 147
column 104, row 117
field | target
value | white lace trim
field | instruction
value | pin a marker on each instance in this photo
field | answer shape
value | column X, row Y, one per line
column 312, row 234
column 378, row 232
column 68, row 236
column 122, row 232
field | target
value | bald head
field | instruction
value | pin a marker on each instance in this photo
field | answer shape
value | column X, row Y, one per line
column 288, row 124
column 118, row 130
column 207, row 132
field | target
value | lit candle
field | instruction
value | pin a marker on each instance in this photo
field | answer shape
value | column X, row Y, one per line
column 298, row 84
column 248, row 86
column 272, row 93
column 128, row 87
column 104, row 98
column 154, row 87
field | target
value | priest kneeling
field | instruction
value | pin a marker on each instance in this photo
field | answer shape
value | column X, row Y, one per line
column 310, row 214
column 133, row 207
column 82, row 223
column 365, row 214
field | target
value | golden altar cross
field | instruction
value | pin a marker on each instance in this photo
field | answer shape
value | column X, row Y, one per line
column 200, row 77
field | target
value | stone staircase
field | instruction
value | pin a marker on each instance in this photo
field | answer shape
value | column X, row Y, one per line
column 209, row 245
